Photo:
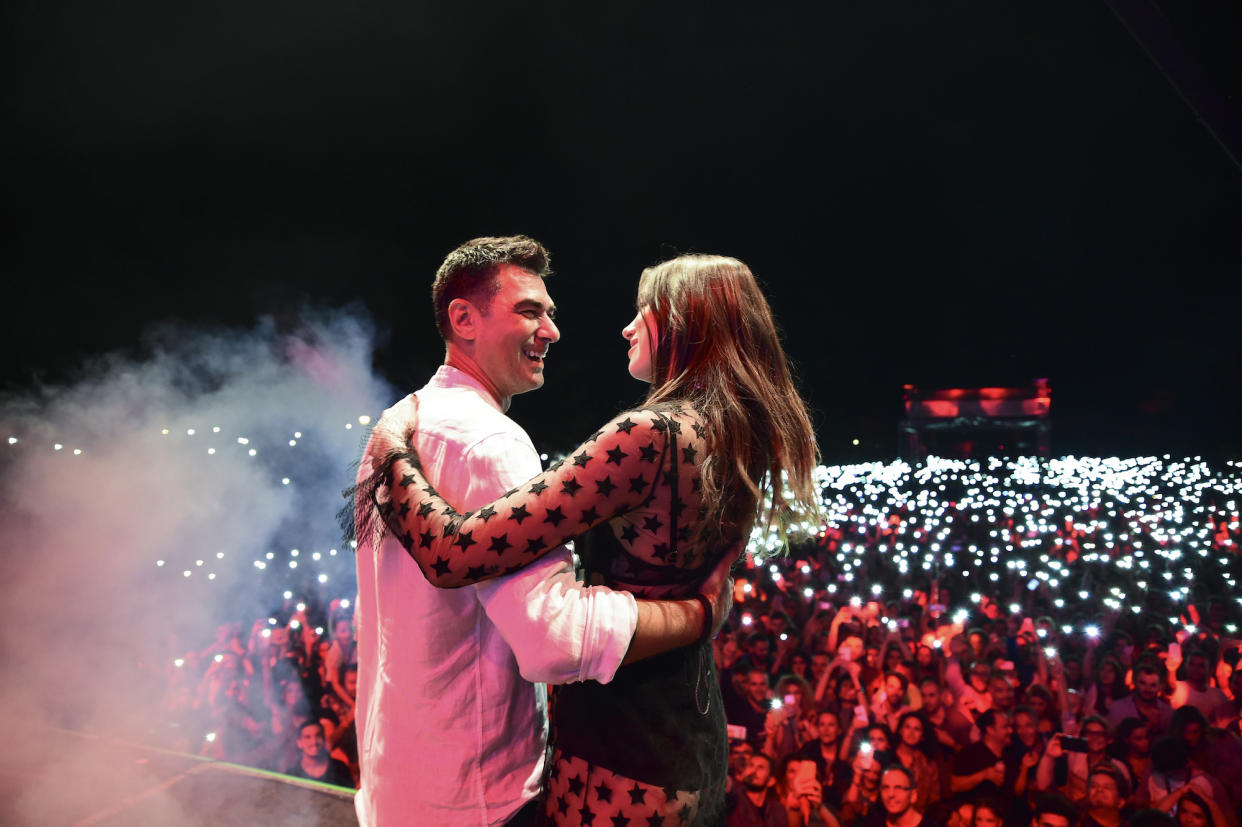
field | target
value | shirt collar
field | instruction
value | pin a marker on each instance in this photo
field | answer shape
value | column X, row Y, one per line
column 448, row 376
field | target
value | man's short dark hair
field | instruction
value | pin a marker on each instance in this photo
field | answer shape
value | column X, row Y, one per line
column 470, row 271
column 987, row 719
column 1057, row 805
column 903, row 769
column 311, row 723
column 1119, row 779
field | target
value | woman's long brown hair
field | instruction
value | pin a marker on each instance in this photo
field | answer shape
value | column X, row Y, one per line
column 719, row 350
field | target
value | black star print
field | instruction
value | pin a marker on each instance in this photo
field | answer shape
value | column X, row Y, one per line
column 650, row 454
column 575, row 785
column 465, row 540
column 554, row 516
column 615, row 455
column 407, row 480
column 538, row 488
column 677, row 506
column 441, row 566
column 520, row 513
column 637, row 484
column 689, row 454
column 487, row 512
column 683, row 534
column 696, row 485
column 595, row 436
column 589, row 516
column 571, row 486
column 655, row 821
column 582, row 459
column 586, row 815
column 627, row 425
column 619, row 820
column 475, row 573
column 405, row 508
column 562, row 805
column 657, row 424
column 424, row 539
column 385, row 509
column 637, row 794
column 535, row 545
column 449, row 511
column 500, row 544
column 426, row 508
column 604, row 792
column 674, row 426
column 605, row 486
column 660, row 552
column 685, row 814
column 700, row 430
column 450, row 528
column 429, row 490
column 406, row 540
column 652, row 524
column 629, row 534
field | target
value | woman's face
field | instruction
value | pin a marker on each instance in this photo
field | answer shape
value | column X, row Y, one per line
column 912, row 732
column 798, row 665
column 1107, row 674
column 984, row 817
column 643, row 335
column 1025, row 728
column 878, row 740
column 1190, row 814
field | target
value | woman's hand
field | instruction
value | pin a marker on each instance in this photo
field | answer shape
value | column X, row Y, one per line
column 393, row 432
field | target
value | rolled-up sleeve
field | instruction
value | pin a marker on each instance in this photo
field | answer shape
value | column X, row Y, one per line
column 560, row 630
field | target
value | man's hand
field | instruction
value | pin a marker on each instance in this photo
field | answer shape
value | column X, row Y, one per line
column 394, row 430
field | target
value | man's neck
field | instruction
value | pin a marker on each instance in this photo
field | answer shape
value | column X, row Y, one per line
column 994, row 747
column 757, row 796
column 909, row 818
column 456, row 357
column 1107, row 816
column 315, row 766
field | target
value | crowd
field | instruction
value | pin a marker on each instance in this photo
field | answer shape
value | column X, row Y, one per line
column 957, row 643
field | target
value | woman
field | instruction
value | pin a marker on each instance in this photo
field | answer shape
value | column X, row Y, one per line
column 1109, row 686
column 791, row 726
column 656, row 498
column 1132, row 744
column 912, row 752
column 988, row 812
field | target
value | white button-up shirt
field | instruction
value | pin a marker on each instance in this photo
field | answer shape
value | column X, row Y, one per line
column 451, row 729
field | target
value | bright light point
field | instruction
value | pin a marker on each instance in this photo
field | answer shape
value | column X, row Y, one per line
column 747, row 620
column 293, row 552
column 159, row 562
column 854, row 442
column 345, row 603
column 164, row 431
column 319, row 630
column 252, row 452
column 323, row 578
column 241, row 440
column 12, row 440
column 198, row 562
column 349, row 426
column 210, row 736
column 189, row 432
column 179, row 662
column 271, row 621
column 77, row 452
column 292, row 442
column 301, row 607
column 57, row 447
column 877, row 589
column 1059, row 603
column 1092, row 631
column 332, row 551
column 186, row 573
column 215, row 429
column 218, row 658
column 259, row 564
column 266, row 633
column 364, row 420
column 270, row 555
column 211, row 576
column 316, row 556
column 288, row 595
column 295, row 624
column 219, row 555
column 211, row 450
column 806, row 569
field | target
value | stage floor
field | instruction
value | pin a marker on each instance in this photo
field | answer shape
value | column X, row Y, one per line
column 53, row 777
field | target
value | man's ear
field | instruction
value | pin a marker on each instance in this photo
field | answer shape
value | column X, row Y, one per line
column 463, row 319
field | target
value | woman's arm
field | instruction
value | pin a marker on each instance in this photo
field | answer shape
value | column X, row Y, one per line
column 612, row 473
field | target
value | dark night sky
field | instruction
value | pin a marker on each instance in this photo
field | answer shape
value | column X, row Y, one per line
column 951, row 192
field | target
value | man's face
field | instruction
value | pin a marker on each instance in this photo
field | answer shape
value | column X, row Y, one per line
column 911, row 732
column 931, row 697
column 1001, row 729
column 1050, row 820
column 1148, row 686
column 896, row 792
column 757, row 686
column 1196, row 671
column 1001, row 691
column 760, row 647
column 1102, row 792
column 739, row 758
column 351, row 682
column 979, row 675
column 758, row 773
column 513, row 332
column 310, row 741
column 343, row 633
column 819, row 664
column 1025, row 725
column 893, row 689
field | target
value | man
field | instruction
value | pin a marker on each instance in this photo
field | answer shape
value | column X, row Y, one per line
column 825, row 751
column 315, row 763
column 1144, row 702
column 752, row 712
column 979, row 769
column 1052, row 810
column 451, row 729
column 898, row 799
column 1195, row 690
column 756, row 803
column 1107, row 789
column 952, row 728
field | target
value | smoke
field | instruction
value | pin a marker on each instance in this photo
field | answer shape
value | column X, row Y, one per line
column 156, row 497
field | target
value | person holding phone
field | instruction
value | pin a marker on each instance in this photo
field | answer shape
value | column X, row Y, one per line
column 1068, row 761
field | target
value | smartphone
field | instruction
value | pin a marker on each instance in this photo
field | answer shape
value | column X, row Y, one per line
column 1175, row 651
column 736, row 732
column 1073, row 744
column 806, row 771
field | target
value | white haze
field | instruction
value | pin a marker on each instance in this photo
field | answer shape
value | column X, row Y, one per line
column 90, row 621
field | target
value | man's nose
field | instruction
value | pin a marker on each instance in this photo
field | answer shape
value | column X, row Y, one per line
column 549, row 332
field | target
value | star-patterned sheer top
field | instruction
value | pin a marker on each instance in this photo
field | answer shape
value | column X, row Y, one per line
column 641, row 474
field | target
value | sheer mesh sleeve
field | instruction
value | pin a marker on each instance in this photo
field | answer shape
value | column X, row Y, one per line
column 610, row 474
